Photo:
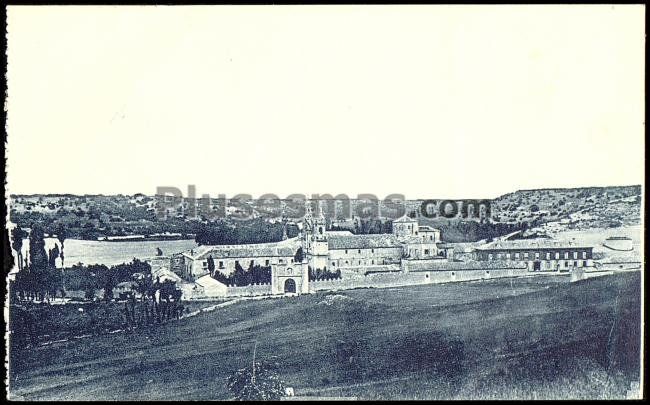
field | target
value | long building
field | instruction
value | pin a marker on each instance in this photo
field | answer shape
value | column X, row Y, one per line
column 538, row 254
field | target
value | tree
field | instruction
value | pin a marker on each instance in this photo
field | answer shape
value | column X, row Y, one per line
column 52, row 256
column 211, row 266
column 107, row 281
column 299, row 256
column 38, row 259
column 239, row 275
column 37, row 254
column 18, row 234
column 61, row 235
column 222, row 278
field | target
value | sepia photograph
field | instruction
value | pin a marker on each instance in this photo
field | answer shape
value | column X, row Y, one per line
column 324, row 202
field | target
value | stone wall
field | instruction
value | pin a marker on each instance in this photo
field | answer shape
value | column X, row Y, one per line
column 381, row 280
column 443, row 265
column 249, row 290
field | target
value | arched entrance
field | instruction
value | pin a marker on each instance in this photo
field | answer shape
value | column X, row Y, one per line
column 289, row 286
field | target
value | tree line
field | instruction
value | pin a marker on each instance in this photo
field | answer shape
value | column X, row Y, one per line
column 37, row 279
column 254, row 274
column 257, row 230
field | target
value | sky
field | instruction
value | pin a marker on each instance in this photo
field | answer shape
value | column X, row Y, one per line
column 423, row 101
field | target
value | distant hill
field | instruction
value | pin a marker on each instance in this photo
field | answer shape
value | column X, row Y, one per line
column 588, row 207
column 93, row 216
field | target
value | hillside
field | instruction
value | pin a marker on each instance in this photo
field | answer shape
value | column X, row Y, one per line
column 591, row 206
column 539, row 337
column 90, row 217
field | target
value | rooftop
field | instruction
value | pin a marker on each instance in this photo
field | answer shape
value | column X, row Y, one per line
column 331, row 233
column 404, row 219
column 363, row 241
column 207, row 281
column 530, row 244
column 284, row 248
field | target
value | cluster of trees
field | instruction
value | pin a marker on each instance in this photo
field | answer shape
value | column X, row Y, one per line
column 257, row 230
column 159, row 302
column 95, row 277
column 323, row 274
column 255, row 274
column 37, row 278
column 367, row 226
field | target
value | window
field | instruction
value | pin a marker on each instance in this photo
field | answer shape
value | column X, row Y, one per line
column 584, row 263
column 267, row 262
column 221, row 264
column 584, row 255
column 346, row 251
column 236, row 263
column 358, row 250
column 431, row 237
column 536, row 255
column 372, row 250
column 566, row 255
column 291, row 260
column 548, row 256
column 508, row 256
column 426, row 251
column 490, row 256
column 575, row 264
column 373, row 262
column 526, row 255
column 346, row 262
column 205, row 263
column 333, row 263
column 557, row 255
column 575, row 255
column 517, row 255
column 566, row 263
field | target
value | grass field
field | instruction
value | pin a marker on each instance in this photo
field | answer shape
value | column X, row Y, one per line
column 536, row 337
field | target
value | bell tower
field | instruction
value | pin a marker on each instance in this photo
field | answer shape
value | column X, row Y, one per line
column 316, row 239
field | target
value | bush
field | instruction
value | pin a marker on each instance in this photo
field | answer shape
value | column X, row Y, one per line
column 256, row 384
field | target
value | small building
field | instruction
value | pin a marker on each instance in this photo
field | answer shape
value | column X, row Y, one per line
column 210, row 287
column 538, row 254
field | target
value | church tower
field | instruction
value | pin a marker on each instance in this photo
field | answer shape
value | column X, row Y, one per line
column 316, row 242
